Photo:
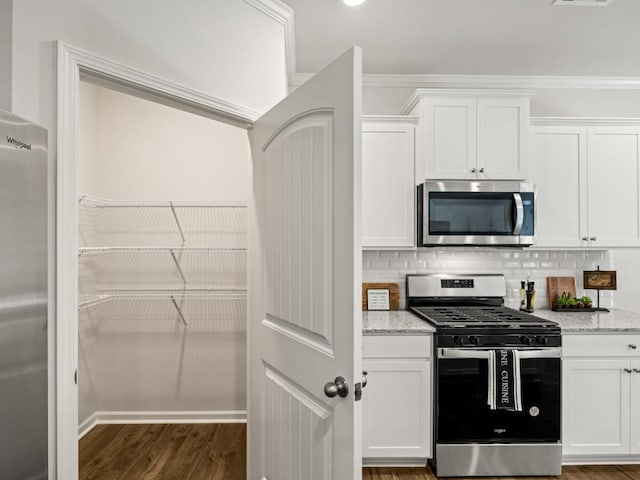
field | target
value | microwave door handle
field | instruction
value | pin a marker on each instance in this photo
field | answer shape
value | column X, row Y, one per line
column 517, row 200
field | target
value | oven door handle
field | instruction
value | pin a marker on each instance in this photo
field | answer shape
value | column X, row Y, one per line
column 554, row 352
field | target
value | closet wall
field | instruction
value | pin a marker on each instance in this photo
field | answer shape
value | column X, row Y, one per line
column 142, row 362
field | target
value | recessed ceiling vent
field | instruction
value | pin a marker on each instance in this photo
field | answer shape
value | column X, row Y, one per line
column 581, row 3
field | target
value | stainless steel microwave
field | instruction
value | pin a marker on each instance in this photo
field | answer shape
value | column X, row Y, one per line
column 491, row 213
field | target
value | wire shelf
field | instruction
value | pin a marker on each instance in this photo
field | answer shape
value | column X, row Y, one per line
column 108, row 223
column 159, row 312
column 158, row 268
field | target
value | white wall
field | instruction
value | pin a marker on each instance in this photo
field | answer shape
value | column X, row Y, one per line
column 140, row 150
column 627, row 295
column 137, row 356
column 6, row 15
column 227, row 49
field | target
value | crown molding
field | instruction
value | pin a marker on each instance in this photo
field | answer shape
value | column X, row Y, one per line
column 583, row 121
column 524, row 82
column 283, row 14
column 420, row 93
column 391, row 118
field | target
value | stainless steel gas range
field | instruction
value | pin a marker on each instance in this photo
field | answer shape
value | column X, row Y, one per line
column 498, row 372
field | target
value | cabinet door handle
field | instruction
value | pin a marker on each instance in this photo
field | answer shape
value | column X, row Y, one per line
column 473, row 170
column 482, row 170
column 586, row 239
column 627, row 370
column 636, row 370
column 632, row 346
column 593, row 239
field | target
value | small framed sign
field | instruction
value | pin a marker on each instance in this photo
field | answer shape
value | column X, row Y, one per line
column 599, row 279
column 378, row 299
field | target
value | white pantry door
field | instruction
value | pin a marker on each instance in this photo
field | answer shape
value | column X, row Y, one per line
column 305, row 281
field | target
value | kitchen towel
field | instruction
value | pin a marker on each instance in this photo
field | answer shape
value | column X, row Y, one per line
column 505, row 392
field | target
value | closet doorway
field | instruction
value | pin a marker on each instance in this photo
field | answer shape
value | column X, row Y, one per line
column 162, row 270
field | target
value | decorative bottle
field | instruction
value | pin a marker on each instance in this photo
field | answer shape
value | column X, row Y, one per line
column 523, row 296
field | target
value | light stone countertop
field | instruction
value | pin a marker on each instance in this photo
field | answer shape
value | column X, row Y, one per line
column 615, row 321
column 393, row 321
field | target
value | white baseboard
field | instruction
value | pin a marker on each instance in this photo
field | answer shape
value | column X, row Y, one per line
column 219, row 416
column 394, row 462
column 600, row 459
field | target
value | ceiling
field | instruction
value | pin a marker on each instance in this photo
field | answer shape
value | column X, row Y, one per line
column 474, row 37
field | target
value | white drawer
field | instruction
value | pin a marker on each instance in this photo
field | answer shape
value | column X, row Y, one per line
column 396, row 346
column 614, row 345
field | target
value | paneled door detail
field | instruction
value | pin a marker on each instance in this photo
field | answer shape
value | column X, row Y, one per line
column 596, row 406
column 305, row 276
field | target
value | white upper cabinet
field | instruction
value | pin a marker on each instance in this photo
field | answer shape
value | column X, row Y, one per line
column 559, row 170
column 471, row 134
column 502, row 138
column 588, row 185
column 448, row 130
column 388, row 182
column 614, row 186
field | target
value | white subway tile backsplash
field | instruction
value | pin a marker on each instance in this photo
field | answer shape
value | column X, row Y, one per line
column 368, row 255
column 379, row 265
column 511, row 265
column 516, row 265
column 530, row 265
column 398, row 264
column 388, row 255
column 407, row 255
column 419, row 265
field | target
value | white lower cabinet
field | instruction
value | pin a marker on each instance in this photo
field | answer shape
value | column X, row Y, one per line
column 601, row 397
column 397, row 423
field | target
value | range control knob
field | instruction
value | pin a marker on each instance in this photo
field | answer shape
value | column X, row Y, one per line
column 541, row 340
column 457, row 340
column 525, row 340
column 474, row 340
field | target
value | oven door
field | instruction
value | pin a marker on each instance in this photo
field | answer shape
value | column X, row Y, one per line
column 463, row 415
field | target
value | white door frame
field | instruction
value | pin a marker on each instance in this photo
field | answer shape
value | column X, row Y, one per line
column 72, row 63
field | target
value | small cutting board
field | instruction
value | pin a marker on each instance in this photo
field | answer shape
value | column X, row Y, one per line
column 394, row 294
column 558, row 285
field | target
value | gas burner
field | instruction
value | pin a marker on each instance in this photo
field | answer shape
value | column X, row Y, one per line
column 474, row 309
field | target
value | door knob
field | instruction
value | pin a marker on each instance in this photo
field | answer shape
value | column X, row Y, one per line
column 337, row 387
column 364, row 378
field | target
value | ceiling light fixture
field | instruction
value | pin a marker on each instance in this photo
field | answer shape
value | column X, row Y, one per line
column 353, row 3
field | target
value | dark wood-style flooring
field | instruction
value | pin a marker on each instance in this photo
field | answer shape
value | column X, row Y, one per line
column 217, row 452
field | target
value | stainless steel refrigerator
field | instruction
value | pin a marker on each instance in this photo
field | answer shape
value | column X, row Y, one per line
column 23, row 299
